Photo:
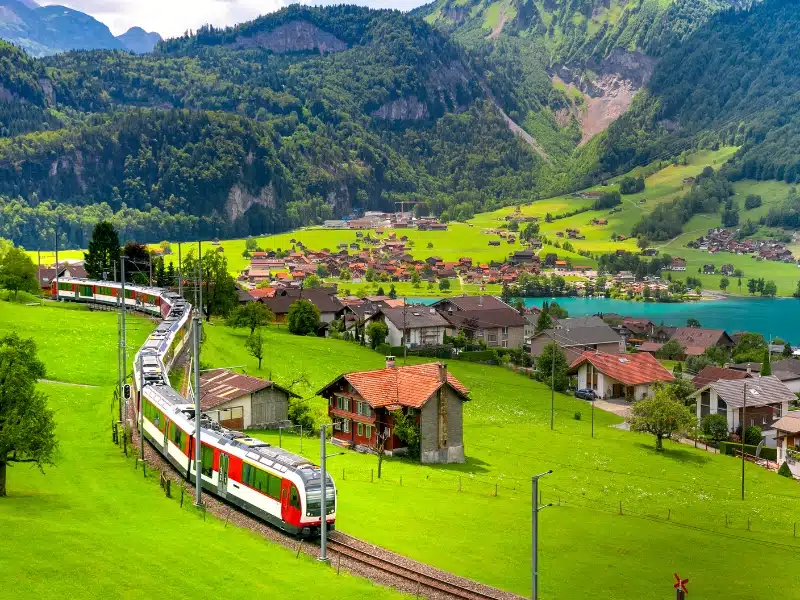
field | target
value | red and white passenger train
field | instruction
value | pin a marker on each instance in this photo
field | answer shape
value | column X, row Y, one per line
column 277, row 486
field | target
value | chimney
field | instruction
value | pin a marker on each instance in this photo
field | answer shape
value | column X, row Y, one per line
column 748, row 372
column 450, row 310
column 433, row 312
column 442, row 372
column 390, row 362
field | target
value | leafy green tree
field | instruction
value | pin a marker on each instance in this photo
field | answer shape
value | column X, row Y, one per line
column 377, row 331
column 303, row 318
column 692, row 322
column 370, row 275
column 661, row 416
column 407, row 429
column 255, row 346
column 787, row 351
column 444, row 284
column 715, row 426
column 219, row 294
column 766, row 367
column 672, row 350
column 770, row 289
column 103, row 252
column 380, row 291
column 415, row 278
column 27, row 426
column 752, row 286
column 251, row 315
column 322, row 270
column 724, row 283
column 251, row 244
column 393, row 292
column 554, row 376
column 345, row 274
column 752, row 435
column 530, row 232
column 312, row 282
column 544, row 321
column 18, row 273
column 750, row 348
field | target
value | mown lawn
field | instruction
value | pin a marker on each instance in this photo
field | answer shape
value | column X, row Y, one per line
column 92, row 527
column 587, row 548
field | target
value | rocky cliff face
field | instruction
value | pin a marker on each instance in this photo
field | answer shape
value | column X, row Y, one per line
column 402, row 109
column 239, row 201
column 295, row 36
column 608, row 87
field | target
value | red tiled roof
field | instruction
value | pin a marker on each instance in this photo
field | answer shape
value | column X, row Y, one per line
column 711, row 374
column 630, row 369
column 267, row 292
column 410, row 386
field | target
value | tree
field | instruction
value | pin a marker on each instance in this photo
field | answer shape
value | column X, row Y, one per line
column 303, row 317
column 785, row 471
column 370, row 275
column 415, row 278
column 787, row 351
column 545, row 321
column 715, row 426
column 407, row 430
column 312, row 282
column 103, row 252
column 642, row 243
column 27, row 427
column 219, row 295
column 770, row 289
column 752, row 435
column 692, row 322
column 393, row 292
column 377, row 332
column 137, row 262
column 255, row 346
column 750, row 348
column 554, row 376
column 251, row 245
column 345, row 274
column 251, row 315
column 322, row 270
column 672, row 350
column 430, row 245
column 380, row 291
column 444, row 284
column 661, row 416
column 752, row 285
column 724, row 283
column 18, row 273
column 677, row 370
column 530, row 232
column 766, row 367
column 752, row 201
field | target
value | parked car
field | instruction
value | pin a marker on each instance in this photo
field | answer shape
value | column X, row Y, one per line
column 586, row 394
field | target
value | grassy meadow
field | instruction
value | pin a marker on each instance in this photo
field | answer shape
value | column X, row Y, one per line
column 674, row 503
column 93, row 528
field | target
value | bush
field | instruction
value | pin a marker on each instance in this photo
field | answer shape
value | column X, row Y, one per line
column 752, row 435
column 385, row 350
column 631, row 185
column 478, row 356
column 577, row 418
column 730, row 448
column 785, row 471
column 716, row 427
column 752, row 201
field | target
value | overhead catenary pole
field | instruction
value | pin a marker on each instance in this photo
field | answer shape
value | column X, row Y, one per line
column 198, row 500
column 552, row 381
column 180, row 272
column 58, row 296
column 200, row 275
column 150, row 255
column 124, row 350
column 323, row 506
column 535, row 508
column 140, row 405
column 744, row 409
column 119, row 352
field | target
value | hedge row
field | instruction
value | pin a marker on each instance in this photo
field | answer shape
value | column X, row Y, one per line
column 729, row 447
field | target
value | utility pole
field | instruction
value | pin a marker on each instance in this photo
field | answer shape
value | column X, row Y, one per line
column 535, row 508
column 119, row 352
column 592, row 403
column 552, row 382
column 180, row 275
column 58, row 296
column 405, row 351
column 744, row 409
column 198, row 500
column 124, row 350
column 150, row 255
column 200, row 275
column 323, row 510
column 140, row 399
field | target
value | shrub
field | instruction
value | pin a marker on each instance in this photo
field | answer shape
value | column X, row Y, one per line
column 752, row 435
column 577, row 418
column 716, row 427
column 384, row 349
column 730, row 448
column 785, row 471
column 303, row 318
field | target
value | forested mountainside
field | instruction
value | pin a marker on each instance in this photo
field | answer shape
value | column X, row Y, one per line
column 736, row 80
column 296, row 117
column 577, row 31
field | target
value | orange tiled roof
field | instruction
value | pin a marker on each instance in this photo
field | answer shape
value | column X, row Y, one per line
column 410, row 386
column 630, row 369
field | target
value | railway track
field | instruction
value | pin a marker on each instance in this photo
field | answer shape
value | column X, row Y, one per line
column 423, row 582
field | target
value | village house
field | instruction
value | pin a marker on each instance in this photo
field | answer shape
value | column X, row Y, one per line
column 712, row 373
column 787, row 435
column 324, row 299
column 761, row 400
column 678, row 264
column 414, row 326
column 631, row 376
column 362, row 405
column 243, row 402
column 576, row 335
column 786, row 370
column 484, row 318
column 696, row 340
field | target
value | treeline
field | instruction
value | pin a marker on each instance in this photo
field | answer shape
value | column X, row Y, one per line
column 626, row 261
column 709, row 191
column 786, row 215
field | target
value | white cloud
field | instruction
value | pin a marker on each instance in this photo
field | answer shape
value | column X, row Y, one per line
column 172, row 17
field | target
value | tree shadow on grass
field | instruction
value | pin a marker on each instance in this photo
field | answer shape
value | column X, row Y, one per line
column 683, row 455
column 472, row 465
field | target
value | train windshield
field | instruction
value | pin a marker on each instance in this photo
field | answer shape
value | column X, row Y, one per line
column 314, row 497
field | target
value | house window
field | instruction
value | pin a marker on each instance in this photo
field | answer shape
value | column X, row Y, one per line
column 591, row 376
column 492, row 338
column 722, row 406
column 505, row 331
column 778, row 411
column 346, row 426
column 705, row 404
column 505, row 343
column 368, row 431
column 364, row 409
column 343, row 403
column 360, row 430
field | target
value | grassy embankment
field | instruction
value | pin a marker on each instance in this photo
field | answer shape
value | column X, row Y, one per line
column 92, row 527
column 674, row 503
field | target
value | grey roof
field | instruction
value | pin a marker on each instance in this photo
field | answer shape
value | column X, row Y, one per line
column 787, row 369
column 415, row 316
column 760, row 391
column 575, row 322
column 582, row 336
column 484, row 302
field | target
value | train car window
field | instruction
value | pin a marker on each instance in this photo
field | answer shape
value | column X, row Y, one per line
column 207, row 468
column 274, row 490
column 294, row 498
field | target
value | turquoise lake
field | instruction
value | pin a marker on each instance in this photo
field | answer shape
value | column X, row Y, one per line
column 776, row 317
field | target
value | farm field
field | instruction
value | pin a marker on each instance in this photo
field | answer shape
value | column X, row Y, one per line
column 674, row 504
column 92, row 527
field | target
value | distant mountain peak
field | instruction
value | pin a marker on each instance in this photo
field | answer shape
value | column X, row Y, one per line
column 138, row 40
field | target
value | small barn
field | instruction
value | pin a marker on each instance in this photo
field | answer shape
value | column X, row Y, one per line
column 244, row 402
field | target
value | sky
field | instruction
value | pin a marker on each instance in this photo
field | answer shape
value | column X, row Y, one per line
column 172, row 17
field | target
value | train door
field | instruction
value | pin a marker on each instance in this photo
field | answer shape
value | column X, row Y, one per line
column 290, row 503
column 166, row 437
column 222, row 483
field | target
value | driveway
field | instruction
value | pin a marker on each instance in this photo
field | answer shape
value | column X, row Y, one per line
column 619, row 406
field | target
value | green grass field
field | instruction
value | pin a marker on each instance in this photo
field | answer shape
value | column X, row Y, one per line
column 587, row 548
column 92, row 527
